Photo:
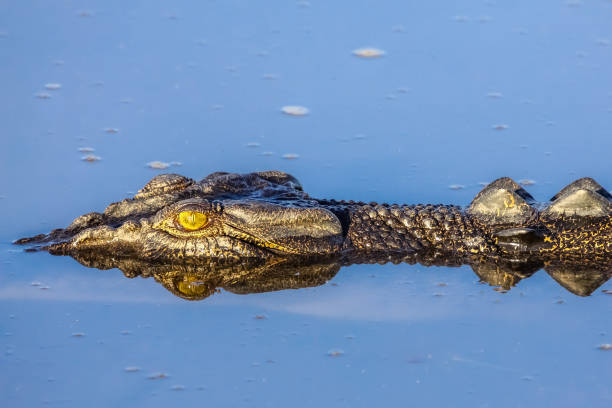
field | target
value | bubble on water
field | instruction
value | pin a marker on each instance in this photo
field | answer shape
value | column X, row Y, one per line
column 399, row 28
column 495, row 95
column 201, row 42
column 526, row 182
column 295, row 110
column 335, row 353
column 456, row 186
column 604, row 42
column 461, row 19
column 217, row 107
column 304, row 4
column 573, row 3
column 253, row 144
column 131, row 369
column 43, row 95
column 91, row 158
column 484, row 19
column 125, row 332
column 291, row 156
column 177, row 387
column 58, row 62
column 176, row 163
column 270, row 77
column 111, row 130
column 36, row 283
column 368, row 52
column 3, row 34
column 501, row 127
column 86, row 149
column 52, row 86
column 267, row 153
column 605, row 346
column 126, row 101
column 158, row 165
column 403, row 90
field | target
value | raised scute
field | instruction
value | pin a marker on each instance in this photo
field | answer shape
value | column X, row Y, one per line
column 503, row 202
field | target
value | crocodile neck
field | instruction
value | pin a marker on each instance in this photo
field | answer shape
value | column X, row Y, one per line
column 385, row 228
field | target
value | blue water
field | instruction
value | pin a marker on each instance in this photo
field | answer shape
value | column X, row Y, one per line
column 466, row 92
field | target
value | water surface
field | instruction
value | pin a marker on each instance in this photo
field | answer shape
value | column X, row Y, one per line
column 463, row 94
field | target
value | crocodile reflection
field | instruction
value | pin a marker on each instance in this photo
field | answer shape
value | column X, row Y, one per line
column 198, row 281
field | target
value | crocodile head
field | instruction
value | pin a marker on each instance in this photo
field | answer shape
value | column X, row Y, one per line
column 224, row 216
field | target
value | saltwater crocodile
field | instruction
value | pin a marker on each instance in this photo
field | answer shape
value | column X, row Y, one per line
column 229, row 219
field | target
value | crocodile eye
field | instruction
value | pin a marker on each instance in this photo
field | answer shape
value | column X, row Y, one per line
column 192, row 220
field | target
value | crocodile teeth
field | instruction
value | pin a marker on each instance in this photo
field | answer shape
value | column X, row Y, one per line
column 503, row 202
column 583, row 198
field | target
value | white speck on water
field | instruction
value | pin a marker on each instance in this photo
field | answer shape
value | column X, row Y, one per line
column 36, row 283
column 126, row 101
column 131, row 369
column 484, row 19
column 495, row 95
column 605, row 346
column 604, row 42
column 304, row 4
column 335, row 353
column 398, row 28
column 267, row 153
column 78, row 334
column 91, row 158
column 295, row 110
column 158, row 165
column 527, row 378
column 270, row 77
column 86, row 149
column 111, row 130
column 253, row 144
column 178, row 387
column 290, row 156
column 527, row 182
column 500, row 127
column 125, row 332
column 58, row 62
column 176, row 163
column 3, row 34
column 461, row 19
column 368, row 52
column 85, row 13
column 456, row 186
column 403, row 90
column 201, row 42
column 43, row 95
column 52, row 86
column 217, row 107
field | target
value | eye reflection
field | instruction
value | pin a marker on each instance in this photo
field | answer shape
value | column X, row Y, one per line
column 192, row 220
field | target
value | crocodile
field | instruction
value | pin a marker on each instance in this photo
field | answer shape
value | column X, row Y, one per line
column 228, row 219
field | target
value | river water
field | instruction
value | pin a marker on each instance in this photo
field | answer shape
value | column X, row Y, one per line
column 454, row 94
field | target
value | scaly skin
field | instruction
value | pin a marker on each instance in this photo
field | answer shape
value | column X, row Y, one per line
column 267, row 215
column 234, row 226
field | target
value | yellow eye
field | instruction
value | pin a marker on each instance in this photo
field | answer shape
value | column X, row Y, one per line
column 192, row 220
